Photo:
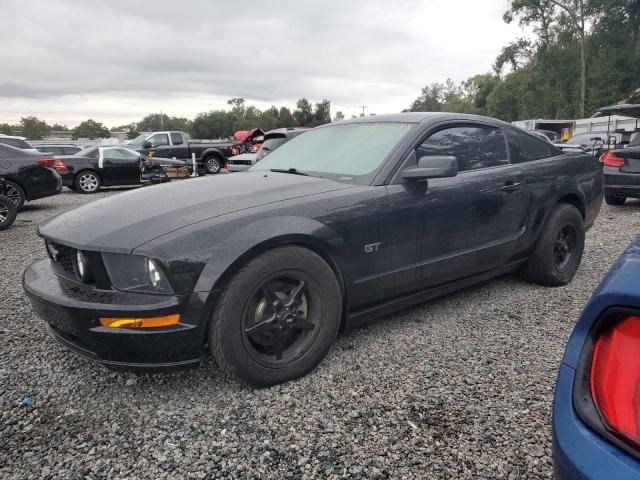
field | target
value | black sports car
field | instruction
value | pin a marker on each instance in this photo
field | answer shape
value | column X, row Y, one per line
column 28, row 175
column 98, row 166
column 341, row 225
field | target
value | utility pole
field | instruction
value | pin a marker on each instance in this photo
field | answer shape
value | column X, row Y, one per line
column 161, row 121
column 363, row 107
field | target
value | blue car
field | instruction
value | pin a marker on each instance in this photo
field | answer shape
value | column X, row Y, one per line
column 596, row 411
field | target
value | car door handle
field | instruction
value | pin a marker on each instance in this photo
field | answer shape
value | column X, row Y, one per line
column 511, row 186
column 108, row 162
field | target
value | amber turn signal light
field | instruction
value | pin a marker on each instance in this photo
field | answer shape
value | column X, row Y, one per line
column 149, row 322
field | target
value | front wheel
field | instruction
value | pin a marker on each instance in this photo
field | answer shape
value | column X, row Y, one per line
column 15, row 193
column 8, row 212
column 615, row 199
column 213, row 165
column 277, row 317
column 557, row 254
column 87, row 182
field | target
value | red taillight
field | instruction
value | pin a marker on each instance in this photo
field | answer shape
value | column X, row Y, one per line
column 615, row 378
column 610, row 159
column 46, row 162
column 55, row 163
column 60, row 166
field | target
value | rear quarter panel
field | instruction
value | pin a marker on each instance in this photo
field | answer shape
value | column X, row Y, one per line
column 568, row 176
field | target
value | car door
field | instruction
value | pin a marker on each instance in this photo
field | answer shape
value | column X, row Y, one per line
column 121, row 166
column 179, row 146
column 160, row 145
column 450, row 228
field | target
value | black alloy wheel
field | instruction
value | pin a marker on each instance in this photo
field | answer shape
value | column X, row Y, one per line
column 278, row 322
column 277, row 317
column 556, row 255
column 564, row 247
column 8, row 212
column 14, row 192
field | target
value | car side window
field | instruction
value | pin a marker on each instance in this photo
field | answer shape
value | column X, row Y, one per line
column 159, row 139
column 474, row 147
column 120, row 154
column 176, row 138
column 526, row 148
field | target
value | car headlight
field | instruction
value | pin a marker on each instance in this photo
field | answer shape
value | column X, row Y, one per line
column 83, row 271
column 135, row 273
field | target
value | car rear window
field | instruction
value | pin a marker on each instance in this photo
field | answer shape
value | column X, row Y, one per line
column 15, row 142
column 524, row 147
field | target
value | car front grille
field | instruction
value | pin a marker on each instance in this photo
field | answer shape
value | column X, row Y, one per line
column 63, row 259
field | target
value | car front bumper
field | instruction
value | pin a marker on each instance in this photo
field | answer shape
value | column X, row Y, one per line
column 616, row 181
column 578, row 451
column 72, row 312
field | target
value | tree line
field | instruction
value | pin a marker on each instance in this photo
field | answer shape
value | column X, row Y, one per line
column 585, row 54
column 212, row 124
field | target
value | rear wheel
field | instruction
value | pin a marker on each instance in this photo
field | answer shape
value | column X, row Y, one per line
column 8, row 212
column 558, row 252
column 277, row 318
column 88, row 181
column 213, row 165
column 15, row 193
column 614, row 198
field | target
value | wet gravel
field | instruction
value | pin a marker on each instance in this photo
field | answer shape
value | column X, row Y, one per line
column 458, row 388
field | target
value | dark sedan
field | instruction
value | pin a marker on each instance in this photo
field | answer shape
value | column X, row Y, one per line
column 622, row 173
column 28, row 176
column 95, row 167
column 347, row 223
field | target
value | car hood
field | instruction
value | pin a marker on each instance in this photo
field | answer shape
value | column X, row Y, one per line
column 127, row 220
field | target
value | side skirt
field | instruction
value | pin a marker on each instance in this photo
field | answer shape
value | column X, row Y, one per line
column 366, row 315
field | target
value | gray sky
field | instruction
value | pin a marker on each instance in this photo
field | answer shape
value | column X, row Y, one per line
column 116, row 61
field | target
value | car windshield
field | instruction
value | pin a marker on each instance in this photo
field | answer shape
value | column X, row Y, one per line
column 350, row 153
column 139, row 139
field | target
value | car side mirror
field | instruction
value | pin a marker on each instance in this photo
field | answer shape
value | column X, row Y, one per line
column 432, row 167
column 147, row 144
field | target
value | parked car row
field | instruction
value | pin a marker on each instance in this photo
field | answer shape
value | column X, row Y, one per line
column 28, row 175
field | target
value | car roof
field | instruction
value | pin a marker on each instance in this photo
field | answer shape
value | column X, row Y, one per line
column 420, row 117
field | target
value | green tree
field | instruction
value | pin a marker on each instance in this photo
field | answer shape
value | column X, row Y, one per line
column 303, row 114
column 213, row 124
column 7, row 129
column 321, row 113
column 339, row 116
column 90, row 129
column 33, row 128
column 285, row 118
column 59, row 128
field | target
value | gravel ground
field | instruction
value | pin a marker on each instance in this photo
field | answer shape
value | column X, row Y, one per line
column 458, row 388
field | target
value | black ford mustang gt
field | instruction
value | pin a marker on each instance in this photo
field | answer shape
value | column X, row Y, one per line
column 341, row 225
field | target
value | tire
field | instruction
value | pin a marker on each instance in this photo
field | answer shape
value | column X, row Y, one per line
column 87, row 181
column 212, row 165
column 614, row 199
column 72, row 187
column 8, row 212
column 16, row 194
column 557, row 254
column 289, row 293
